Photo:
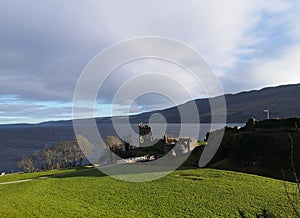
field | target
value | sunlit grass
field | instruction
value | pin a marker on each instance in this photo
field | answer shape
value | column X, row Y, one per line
column 183, row 193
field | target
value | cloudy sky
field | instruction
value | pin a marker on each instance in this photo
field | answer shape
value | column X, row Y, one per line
column 45, row 45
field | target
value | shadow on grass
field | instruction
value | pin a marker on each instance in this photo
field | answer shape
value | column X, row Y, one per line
column 90, row 171
column 81, row 172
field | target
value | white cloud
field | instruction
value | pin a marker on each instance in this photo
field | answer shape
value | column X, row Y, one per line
column 44, row 46
column 284, row 69
column 216, row 29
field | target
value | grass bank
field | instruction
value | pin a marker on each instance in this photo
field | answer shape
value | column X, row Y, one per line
column 183, row 193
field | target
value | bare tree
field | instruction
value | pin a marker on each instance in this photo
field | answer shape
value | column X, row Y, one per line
column 69, row 152
column 27, row 164
column 65, row 154
column 83, row 147
column 39, row 161
column 49, row 156
column 113, row 142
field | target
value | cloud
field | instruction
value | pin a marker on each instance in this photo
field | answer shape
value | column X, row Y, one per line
column 44, row 46
column 150, row 76
column 17, row 110
column 274, row 60
column 276, row 71
column 215, row 29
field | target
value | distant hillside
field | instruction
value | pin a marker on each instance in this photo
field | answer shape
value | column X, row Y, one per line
column 282, row 101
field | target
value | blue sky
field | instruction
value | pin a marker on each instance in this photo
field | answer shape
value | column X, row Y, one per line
column 45, row 45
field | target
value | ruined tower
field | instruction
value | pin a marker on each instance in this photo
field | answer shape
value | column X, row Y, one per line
column 145, row 135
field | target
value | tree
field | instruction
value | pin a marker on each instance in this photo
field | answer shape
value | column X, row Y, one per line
column 83, row 147
column 65, row 154
column 50, row 156
column 27, row 164
column 69, row 153
column 113, row 142
column 39, row 161
column 58, row 159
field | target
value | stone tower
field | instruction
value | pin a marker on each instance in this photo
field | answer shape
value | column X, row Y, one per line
column 145, row 135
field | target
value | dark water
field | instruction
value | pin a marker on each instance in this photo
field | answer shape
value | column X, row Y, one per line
column 19, row 141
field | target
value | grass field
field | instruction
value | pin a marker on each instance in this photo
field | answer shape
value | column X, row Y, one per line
column 183, row 193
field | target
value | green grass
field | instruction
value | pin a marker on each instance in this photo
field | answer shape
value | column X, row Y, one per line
column 201, row 143
column 183, row 193
column 21, row 176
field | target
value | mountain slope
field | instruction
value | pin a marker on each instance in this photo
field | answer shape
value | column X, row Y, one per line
column 282, row 101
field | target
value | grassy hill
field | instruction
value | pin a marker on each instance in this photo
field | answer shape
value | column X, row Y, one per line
column 183, row 193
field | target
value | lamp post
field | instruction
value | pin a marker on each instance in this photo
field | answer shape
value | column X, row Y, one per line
column 267, row 111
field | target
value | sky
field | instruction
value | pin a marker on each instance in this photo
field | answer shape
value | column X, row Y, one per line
column 46, row 45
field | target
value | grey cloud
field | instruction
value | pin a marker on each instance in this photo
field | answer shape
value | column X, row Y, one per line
column 44, row 45
column 16, row 108
column 33, row 112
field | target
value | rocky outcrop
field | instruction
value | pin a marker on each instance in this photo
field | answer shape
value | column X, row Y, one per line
column 268, row 148
column 273, row 125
